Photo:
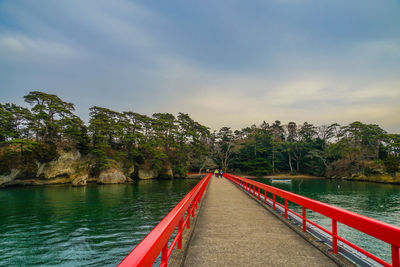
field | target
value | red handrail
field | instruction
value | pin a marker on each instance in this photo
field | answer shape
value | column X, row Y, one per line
column 378, row 229
column 147, row 251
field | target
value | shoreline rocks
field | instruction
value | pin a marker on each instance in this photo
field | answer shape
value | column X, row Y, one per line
column 80, row 180
column 73, row 168
column 111, row 176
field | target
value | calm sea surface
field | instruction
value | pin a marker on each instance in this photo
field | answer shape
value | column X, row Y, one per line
column 378, row 201
column 93, row 225
column 99, row 225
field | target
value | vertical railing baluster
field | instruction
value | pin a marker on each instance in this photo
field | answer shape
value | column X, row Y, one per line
column 259, row 193
column 164, row 255
column 188, row 216
column 254, row 190
column 274, row 201
column 180, row 233
column 286, row 208
column 334, row 237
column 304, row 219
column 265, row 197
column 395, row 256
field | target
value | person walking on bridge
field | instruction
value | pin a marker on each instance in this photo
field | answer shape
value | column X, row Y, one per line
column 216, row 172
column 220, row 173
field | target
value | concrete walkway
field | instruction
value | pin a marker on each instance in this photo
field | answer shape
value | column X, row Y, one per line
column 233, row 230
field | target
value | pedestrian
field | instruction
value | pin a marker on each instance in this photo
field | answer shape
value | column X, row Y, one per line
column 220, row 173
column 216, row 173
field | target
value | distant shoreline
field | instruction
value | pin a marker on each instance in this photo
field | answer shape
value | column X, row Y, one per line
column 282, row 176
column 372, row 179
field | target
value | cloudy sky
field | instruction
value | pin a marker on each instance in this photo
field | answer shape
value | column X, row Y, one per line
column 231, row 62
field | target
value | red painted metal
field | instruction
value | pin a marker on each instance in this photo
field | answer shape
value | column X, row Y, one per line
column 265, row 196
column 375, row 228
column 304, row 219
column 286, row 208
column 366, row 253
column 156, row 242
column 274, row 202
column 395, row 256
column 187, row 220
column 180, row 233
column 164, row 255
column 334, row 237
column 259, row 197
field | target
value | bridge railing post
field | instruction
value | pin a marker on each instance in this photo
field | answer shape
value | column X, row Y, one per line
column 164, row 255
column 259, row 194
column 334, row 237
column 395, row 256
column 273, row 201
column 304, row 219
column 286, row 209
column 180, row 233
column 188, row 218
column 265, row 197
column 254, row 190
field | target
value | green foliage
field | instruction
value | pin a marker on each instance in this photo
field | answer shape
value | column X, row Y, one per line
column 46, row 152
column 367, row 171
column 391, row 164
column 22, row 153
column 13, row 121
column 49, row 115
column 323, row 150
column 9, row 160
column 163, row 140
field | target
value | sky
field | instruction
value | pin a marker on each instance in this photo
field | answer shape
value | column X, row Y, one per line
column 226, row 63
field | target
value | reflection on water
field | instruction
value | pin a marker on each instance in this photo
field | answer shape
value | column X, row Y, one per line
column 378, row 201
column 93, row 225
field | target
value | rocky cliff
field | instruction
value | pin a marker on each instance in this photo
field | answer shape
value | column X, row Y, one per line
column 73, row 168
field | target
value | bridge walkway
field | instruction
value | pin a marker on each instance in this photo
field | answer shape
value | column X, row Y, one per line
column 234, row 230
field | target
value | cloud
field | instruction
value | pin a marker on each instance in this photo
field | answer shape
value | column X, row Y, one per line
column 20, row 47
column 235, row 65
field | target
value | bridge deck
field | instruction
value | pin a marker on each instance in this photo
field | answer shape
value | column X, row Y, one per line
column 233, row 230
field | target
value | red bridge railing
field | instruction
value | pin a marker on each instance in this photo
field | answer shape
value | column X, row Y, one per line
column 380, row 230
column 156, row 242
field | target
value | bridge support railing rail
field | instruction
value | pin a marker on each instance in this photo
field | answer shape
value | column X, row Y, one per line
column 157, row 241
column 375, row 228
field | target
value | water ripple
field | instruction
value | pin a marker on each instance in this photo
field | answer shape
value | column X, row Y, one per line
column 94, row 226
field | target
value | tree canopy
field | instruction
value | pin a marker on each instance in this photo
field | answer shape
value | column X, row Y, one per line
column 129, row 138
